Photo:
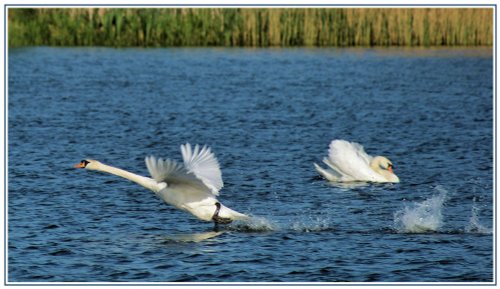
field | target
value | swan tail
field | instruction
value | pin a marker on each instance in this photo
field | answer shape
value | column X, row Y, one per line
column 326, row 173
column 228, row 213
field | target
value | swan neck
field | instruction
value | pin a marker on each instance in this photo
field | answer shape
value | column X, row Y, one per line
column 143, row 181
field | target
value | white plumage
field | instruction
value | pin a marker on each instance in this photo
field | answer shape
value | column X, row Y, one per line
column 191, row 186
column 348, row 162
column 204, row 165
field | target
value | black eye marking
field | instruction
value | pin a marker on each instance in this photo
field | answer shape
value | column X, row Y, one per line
column 85, row 162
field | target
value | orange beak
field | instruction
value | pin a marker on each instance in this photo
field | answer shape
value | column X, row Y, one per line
column 390, row 169
column 79, row 166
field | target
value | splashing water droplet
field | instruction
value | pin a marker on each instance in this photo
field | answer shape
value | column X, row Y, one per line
column 311, row 224
column 474, row 226
column 255, row 224
column 305, row 223
column 422, row 217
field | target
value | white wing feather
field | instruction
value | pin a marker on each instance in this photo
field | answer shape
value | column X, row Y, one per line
column 172, row 173
column 160, row 169
column 351, row 161
column 203, row 164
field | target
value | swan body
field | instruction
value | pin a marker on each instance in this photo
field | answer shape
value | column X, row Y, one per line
column 348, row 162
column 191, row 186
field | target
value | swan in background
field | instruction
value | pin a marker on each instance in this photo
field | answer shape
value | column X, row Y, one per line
column 348, row 162
column 192, row 186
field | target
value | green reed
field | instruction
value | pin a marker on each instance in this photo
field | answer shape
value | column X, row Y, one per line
column 256, row 27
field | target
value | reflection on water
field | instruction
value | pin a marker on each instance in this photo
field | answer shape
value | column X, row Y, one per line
column 433, row 52
column 349, row 185
column 194, row 237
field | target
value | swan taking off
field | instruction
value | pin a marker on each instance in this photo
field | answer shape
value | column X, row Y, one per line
column 348, row 162
column 192, row 186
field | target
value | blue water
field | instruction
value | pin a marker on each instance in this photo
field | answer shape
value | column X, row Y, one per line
column 268, row 115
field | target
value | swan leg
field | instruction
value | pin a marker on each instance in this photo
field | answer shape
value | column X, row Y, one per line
column 217, row 219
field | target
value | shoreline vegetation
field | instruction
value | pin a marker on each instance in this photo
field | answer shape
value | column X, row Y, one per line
column 250, row 27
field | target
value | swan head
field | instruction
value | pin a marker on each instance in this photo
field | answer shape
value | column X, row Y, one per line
column 88, row 164
column 384, row 167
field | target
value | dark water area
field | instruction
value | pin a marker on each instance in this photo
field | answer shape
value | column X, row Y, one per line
column 268, row 115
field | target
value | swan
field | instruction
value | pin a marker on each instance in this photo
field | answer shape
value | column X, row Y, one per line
column 348, row 162
column 192, row 186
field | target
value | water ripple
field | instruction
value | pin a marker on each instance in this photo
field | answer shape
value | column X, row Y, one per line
column 268, row 114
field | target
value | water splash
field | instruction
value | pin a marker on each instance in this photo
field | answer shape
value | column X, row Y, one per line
column 474, row 226
column 422, row 217
column 255, row 224
column 304, row 224
column 312, row 224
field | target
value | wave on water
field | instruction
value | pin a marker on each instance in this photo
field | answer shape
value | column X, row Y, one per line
column 422, row 217
column 474, row 226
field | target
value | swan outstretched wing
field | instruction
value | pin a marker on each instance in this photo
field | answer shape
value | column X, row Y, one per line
column 360, row 152
column 204, row 165
column 351, row 161
column 172, row 173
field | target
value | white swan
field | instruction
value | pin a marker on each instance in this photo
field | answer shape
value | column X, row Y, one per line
column 192, row 187
column 348, row 162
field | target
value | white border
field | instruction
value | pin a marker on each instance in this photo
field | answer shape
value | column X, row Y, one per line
column 229, row 4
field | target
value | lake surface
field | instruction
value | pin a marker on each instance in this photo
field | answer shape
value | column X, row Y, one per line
column 268, row 115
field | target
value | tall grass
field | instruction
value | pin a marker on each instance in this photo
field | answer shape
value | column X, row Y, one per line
column 249, row 26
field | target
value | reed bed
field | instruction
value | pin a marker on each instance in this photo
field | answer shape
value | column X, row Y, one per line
column 255, row 27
